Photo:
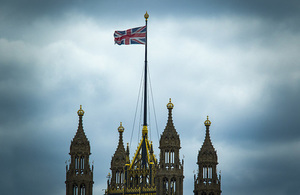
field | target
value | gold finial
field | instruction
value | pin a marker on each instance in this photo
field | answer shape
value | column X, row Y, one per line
column 121, row 128
column 170, row 105
column 207, row 122
column 146, row 15
column 80, row 112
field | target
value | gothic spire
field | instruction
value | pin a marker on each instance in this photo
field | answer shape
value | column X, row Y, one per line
column 79, row 176
column 207, row 181
column 169, row 175
column 207, row 151
column 119, row 158
column 170, row 131
column 120, row 147
column 80, row 138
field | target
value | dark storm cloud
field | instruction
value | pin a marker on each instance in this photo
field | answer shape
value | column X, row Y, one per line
column 263, row 174
column 266, row 143
column 24, row 152
column 17, row 83
column 32, row 166
column 281, row 122
column 28, row 135
column 24, row 137
column 22, row 16
column 20, row 10
column 271, row 9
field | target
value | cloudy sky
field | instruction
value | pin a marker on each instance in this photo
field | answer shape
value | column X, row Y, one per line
column 236, row 61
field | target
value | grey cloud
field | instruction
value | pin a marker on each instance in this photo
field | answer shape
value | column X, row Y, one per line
column 275, row 121
column 33, row 165
column 32, row 8
column 263, row 175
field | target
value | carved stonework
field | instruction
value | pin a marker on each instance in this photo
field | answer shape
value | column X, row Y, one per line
column 136, row 176
column 207, row 181
column 79, row 176
column 169, row 175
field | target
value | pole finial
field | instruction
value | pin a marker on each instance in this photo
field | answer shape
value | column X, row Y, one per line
column 146, row 15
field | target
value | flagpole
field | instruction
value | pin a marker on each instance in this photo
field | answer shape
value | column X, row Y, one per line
column 145, row 128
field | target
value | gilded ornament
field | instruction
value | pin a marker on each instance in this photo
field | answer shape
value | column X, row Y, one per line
column 80, row 112
column 146, row 16
column 170, row 105
column 121, row 128
column 207, row 122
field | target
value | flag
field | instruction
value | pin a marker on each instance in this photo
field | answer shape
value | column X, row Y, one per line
column 131, row 36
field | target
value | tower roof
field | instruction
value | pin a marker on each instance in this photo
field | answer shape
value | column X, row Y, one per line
column 170, row 135
column 119, row 157
column 207, row 153
column 80, row 142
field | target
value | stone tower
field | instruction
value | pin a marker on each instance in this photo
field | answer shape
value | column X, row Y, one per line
column 169, row 177
column 79, row 179
column 207, row 181
column 118, row 162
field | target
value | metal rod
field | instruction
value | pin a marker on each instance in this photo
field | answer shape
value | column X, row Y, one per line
column 145, row 86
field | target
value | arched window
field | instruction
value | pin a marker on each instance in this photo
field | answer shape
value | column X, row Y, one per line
column 209, row 174
column 117, row 177
column 122, row 177
column 173, row 186
column 166, row 186
column 172, row 156
column 167, row 157
column 82, row 189
column 82, row 162
column 204, row 172
column 75, row 189
column 77, row 164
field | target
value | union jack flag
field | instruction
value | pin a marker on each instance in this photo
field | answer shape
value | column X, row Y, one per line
column 131, row 36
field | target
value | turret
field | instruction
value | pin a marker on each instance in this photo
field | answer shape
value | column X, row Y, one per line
column 79, row 176
column 207, row 181
column 118, row 162
column 170, row 172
